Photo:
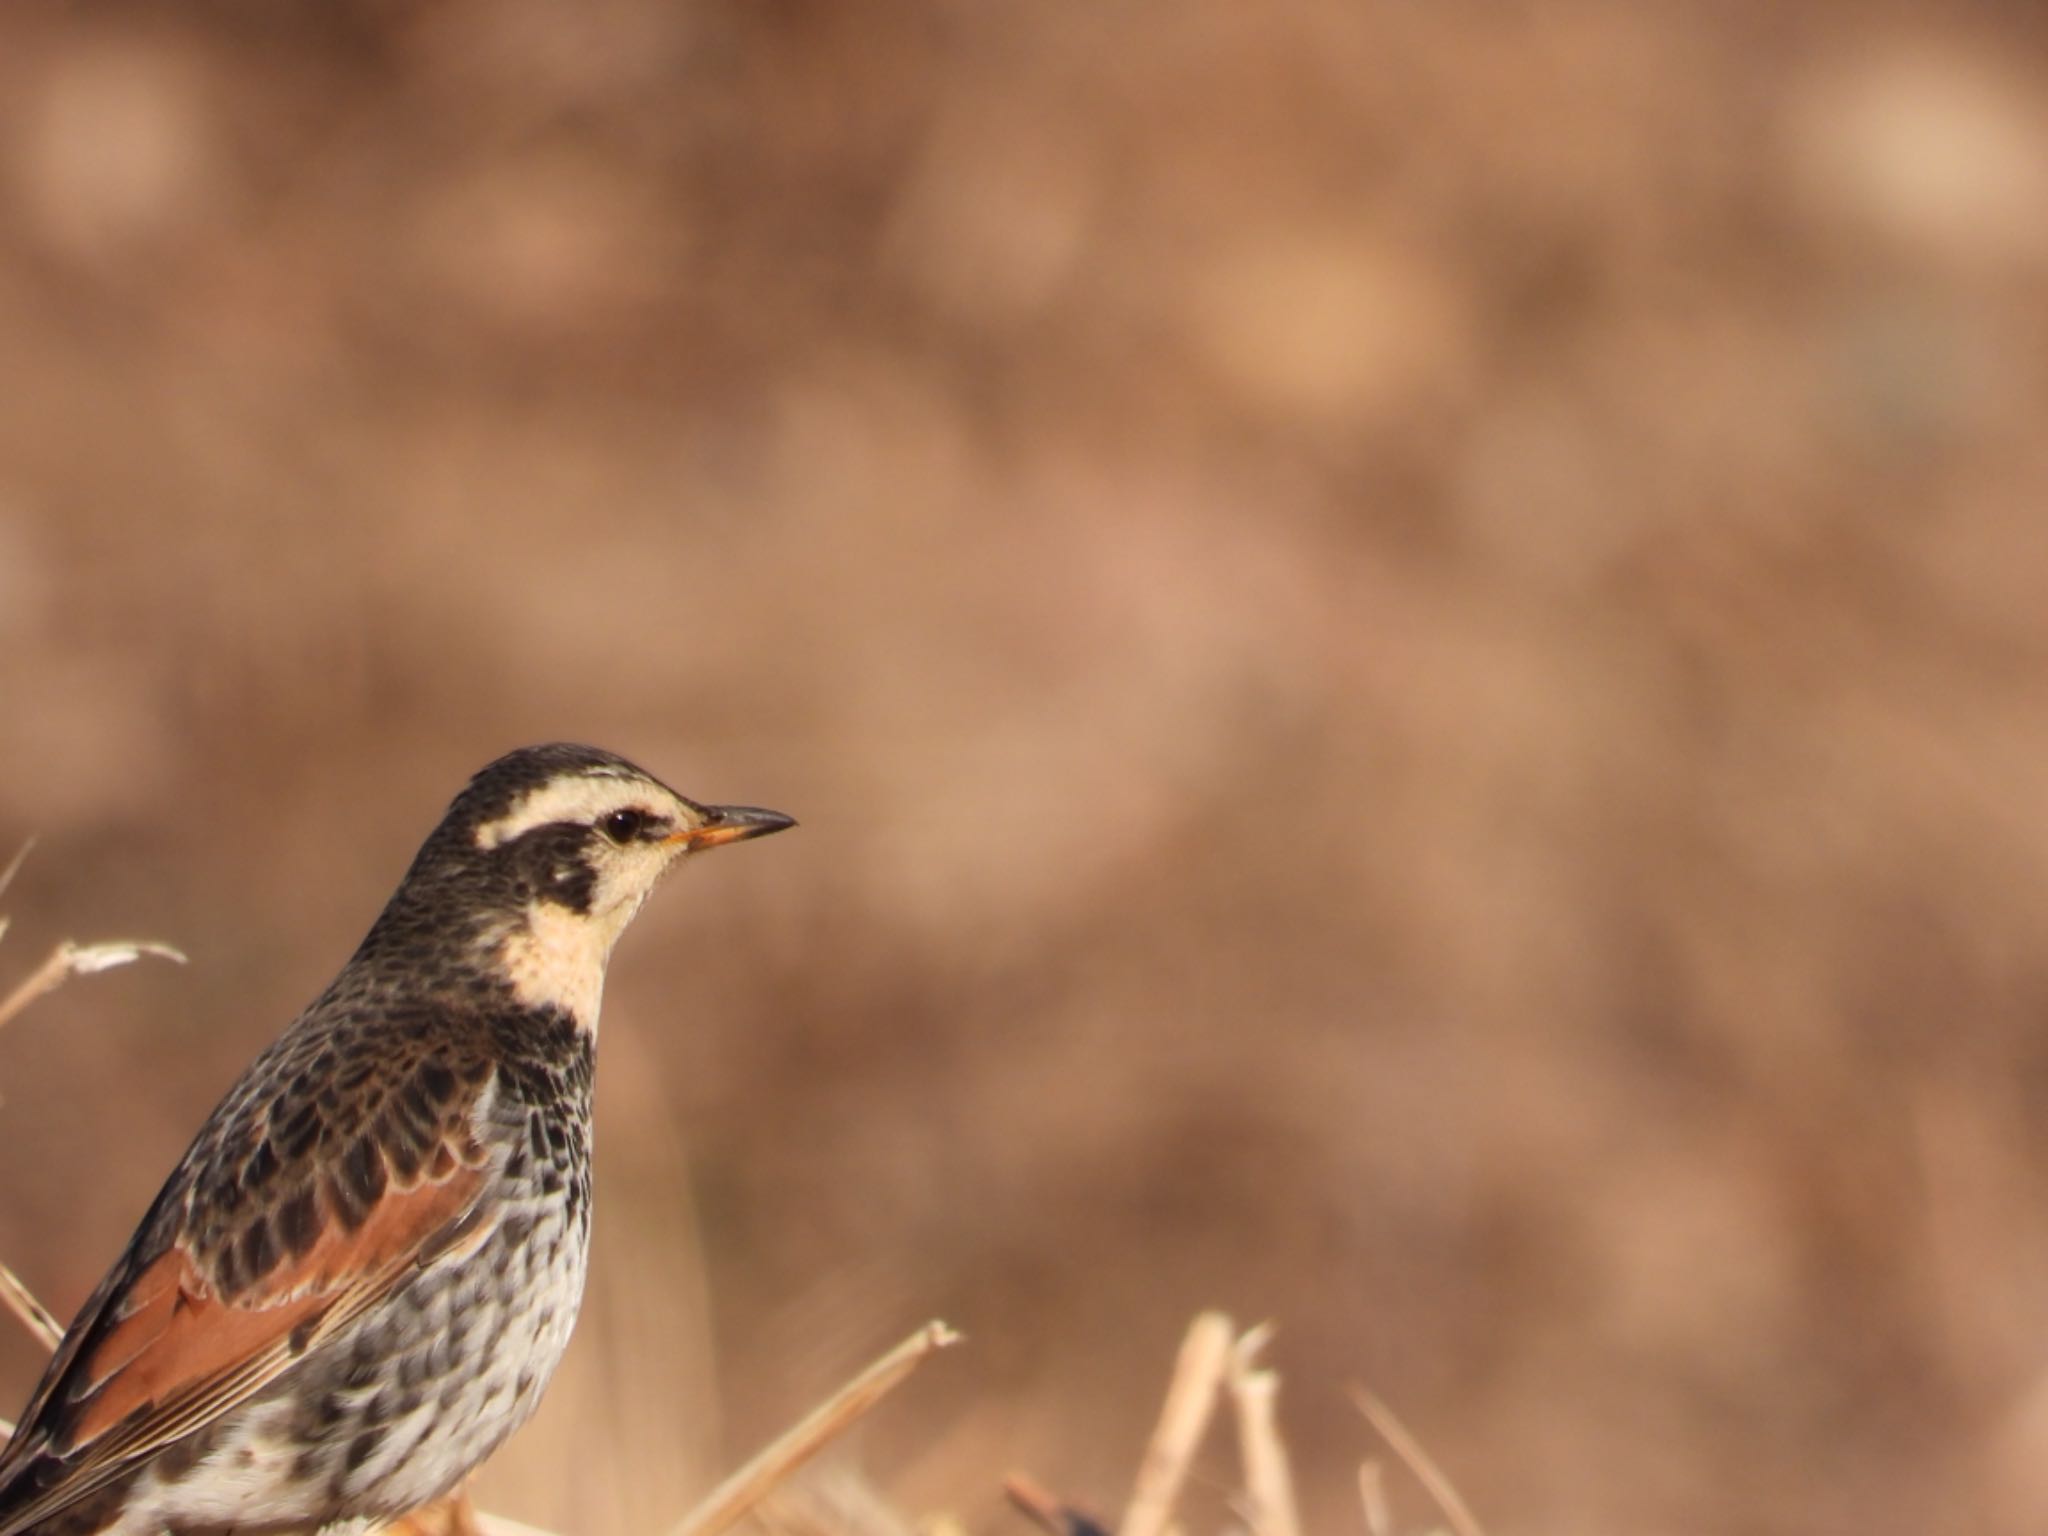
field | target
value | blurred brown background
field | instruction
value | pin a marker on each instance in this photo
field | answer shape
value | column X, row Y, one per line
column 1410, row 639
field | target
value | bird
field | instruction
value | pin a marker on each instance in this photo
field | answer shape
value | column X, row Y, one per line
column 360, row 1276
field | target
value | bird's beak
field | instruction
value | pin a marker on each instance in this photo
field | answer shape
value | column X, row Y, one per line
column 729, row 824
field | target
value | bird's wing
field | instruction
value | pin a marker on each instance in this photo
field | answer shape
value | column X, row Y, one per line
column 295, row 1211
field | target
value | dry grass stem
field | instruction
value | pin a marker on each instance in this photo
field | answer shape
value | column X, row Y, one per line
column 1268, row 1482
column 746, row 1487
column 1372, row 1495
column 65, row 961
column 68, row 960
column 32, row 1314
column 14, row 866
column 838, row 1500
column 1417, row 1460
column 1190, row 1399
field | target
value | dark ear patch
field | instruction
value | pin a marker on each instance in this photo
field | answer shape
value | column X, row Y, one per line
column 571, row 884
column 553, row 863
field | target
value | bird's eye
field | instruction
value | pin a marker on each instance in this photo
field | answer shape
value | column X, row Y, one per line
column 624, row 826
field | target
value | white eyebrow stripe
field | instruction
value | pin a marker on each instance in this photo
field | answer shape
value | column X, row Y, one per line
column 581, row 799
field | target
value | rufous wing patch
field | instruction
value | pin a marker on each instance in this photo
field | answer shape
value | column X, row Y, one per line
column 170, row 1342
column 178, row 1339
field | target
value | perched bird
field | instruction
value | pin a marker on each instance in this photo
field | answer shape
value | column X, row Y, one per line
column 361, row 1275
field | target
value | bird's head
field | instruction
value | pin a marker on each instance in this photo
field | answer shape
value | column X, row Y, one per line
column 548, row 854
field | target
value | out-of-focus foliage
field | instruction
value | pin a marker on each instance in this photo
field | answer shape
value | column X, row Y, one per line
column 1409, row 638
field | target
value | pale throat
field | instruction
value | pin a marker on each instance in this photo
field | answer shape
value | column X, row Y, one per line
column 555, row 958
